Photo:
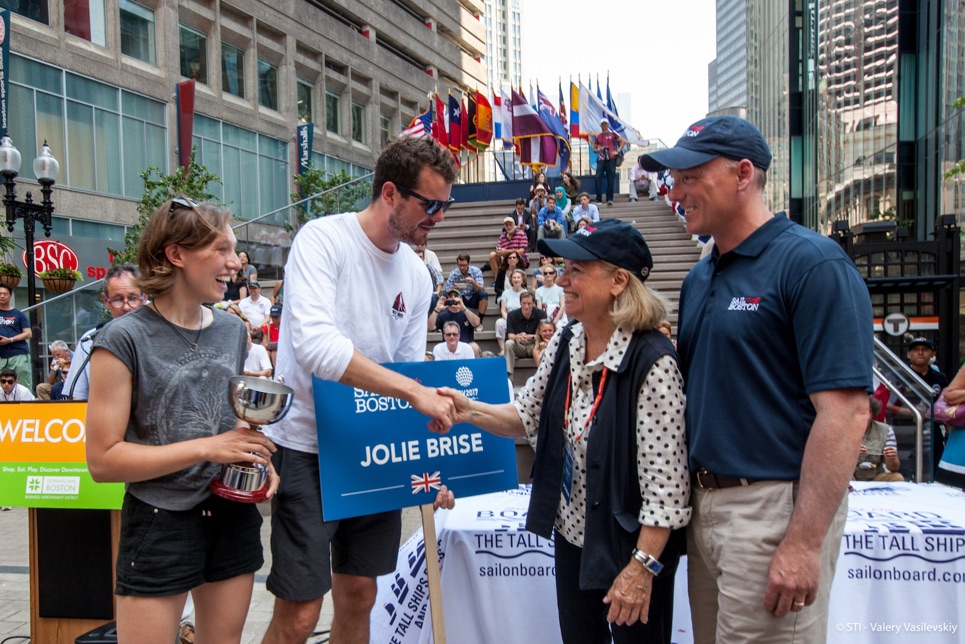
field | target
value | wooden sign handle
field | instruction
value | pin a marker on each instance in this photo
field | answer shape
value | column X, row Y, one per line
column 432, row 571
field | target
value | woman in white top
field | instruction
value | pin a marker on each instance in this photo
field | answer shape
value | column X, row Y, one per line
column 549, row 296
column 508, row 301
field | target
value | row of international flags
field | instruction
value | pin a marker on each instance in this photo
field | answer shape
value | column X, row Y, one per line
column 538, row 130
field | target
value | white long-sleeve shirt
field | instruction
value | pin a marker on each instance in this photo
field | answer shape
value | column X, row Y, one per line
column 342, row 293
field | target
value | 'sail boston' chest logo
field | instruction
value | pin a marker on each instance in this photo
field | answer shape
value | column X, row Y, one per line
column 744, row 304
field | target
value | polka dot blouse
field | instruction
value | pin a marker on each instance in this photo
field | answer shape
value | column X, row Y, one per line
column 661, row 450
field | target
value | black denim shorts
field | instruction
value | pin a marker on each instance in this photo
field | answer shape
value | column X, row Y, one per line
column 305, row 549
column 163, row 552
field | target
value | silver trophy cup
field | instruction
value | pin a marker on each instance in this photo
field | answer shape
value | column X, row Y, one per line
column 258, row 402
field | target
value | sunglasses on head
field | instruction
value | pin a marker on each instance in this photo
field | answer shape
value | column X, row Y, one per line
column 184, row 202
column 432, row 206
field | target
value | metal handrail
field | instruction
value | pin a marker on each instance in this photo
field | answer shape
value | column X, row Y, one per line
column 910, row 379
column 301, row 201
column 910, row 383
column 919, row 423
column 71, row 293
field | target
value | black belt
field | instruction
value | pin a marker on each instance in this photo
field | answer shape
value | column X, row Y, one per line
column 706, row 480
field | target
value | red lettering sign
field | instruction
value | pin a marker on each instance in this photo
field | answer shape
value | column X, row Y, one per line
column 49, row 254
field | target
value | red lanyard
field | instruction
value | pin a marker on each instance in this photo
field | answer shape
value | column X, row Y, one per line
column 596, row 403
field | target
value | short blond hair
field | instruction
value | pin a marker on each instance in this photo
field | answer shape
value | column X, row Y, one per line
column 638, row 307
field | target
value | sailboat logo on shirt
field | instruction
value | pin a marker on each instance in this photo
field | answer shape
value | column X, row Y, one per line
column 398, row 307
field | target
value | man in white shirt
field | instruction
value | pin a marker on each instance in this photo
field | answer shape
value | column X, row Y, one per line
column 12, row 391
column 257, row 363
column 255, row 307
column 642, row 183
column 356, row 295
column 451, row 348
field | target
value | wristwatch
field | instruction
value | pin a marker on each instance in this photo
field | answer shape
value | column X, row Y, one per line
column 649, row 562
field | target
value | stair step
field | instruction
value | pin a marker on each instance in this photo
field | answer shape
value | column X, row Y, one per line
column 474, row 228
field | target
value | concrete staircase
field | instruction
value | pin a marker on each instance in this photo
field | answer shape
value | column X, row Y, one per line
column 474, row 228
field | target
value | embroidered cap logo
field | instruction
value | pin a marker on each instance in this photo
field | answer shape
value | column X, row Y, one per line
column 693, row 130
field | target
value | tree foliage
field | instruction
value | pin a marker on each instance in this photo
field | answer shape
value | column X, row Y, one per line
column 958, row 168
column 7, row 247
column 158, row 188
column 315, row 181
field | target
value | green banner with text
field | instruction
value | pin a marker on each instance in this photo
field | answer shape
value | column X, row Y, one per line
column 42, row 459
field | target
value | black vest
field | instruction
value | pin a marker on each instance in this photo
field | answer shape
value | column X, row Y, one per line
column 613, row 498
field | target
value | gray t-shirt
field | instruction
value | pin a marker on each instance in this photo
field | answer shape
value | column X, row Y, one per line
column 178, row 394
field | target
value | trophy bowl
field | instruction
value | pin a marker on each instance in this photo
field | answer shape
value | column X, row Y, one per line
column 258, row 402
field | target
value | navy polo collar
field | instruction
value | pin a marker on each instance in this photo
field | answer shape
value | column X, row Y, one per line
column 758, row 240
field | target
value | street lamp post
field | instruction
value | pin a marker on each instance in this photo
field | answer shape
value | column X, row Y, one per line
column 45, row 169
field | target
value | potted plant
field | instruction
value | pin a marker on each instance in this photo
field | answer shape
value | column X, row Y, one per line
column 10, row 275
column 60, row 280
column 903, row 230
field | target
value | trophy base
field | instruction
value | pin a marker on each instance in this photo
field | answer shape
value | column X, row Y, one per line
column 234, row 494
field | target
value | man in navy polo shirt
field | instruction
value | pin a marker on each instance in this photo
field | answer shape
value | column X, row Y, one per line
column 783, row 312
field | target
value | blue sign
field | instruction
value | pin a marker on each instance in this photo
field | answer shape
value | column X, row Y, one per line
column 305, row 133
column 4, row 68
column 375, row 452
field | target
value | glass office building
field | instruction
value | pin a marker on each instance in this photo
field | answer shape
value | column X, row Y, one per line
column 98, row 86
column 855, row 98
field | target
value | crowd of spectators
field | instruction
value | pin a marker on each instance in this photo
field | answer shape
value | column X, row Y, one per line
column 460, row 298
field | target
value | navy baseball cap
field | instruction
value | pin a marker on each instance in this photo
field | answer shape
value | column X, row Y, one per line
column 717, row 136
column 921, row 342
column 610, row 240
column 275, row 310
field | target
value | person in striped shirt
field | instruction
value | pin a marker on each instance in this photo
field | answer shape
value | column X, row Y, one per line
column 511, row 239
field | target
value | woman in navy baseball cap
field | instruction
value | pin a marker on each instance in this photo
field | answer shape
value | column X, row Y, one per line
column 606, row 407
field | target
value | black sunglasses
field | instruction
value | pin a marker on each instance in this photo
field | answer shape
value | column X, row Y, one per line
column 432, row 205
column 7, row 381
column 184, row 202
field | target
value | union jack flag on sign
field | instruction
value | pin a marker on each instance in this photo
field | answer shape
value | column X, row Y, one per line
column 426, row 482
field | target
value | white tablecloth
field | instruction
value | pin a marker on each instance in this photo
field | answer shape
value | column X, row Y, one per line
column 498, row 580
column 901, row 573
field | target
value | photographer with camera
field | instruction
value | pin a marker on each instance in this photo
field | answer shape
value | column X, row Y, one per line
column 452, row 308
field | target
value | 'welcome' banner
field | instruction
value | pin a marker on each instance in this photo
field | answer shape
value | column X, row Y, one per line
column 43, row 462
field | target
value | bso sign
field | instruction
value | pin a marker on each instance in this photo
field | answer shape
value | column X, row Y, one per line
column 50, row 254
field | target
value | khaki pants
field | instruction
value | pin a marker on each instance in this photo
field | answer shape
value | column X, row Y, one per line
column 516, row 350
column 732, row 537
